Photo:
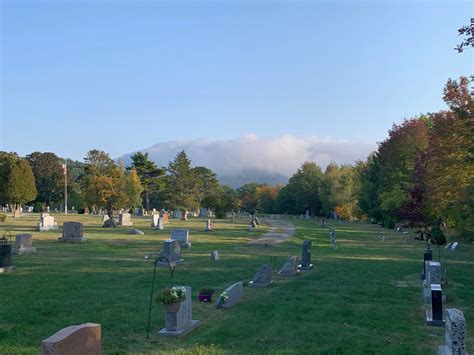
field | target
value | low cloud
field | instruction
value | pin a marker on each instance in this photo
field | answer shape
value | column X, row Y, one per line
column 253, row 159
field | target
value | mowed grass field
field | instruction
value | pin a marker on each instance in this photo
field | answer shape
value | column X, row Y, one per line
column 363, row 298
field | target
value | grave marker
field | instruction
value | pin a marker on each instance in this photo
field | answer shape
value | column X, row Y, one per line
column 23, row 244
column 234, row 295
column 73, row 232
column 263, row 277
column 182, row 236
column 74, row 340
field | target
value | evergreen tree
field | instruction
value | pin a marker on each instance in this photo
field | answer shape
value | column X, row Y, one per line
column 182, row 191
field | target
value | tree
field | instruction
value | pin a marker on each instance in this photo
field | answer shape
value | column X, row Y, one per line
column 267, row 198
column 17, row 182
column 302, row 191
column 467, row 31
column 182, row 191
column 207, row 183
column 107, row 185
column 222, row 200
column 151, row 176
column 49, row 176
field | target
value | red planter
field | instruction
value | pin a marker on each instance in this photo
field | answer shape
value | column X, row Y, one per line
column 205, row 298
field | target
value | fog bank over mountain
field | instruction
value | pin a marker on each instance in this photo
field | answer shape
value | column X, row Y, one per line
column 253, row 159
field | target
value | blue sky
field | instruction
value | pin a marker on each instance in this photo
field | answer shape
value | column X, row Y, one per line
column 122, row 76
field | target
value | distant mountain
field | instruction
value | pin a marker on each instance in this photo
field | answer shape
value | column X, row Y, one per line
column 260, row 160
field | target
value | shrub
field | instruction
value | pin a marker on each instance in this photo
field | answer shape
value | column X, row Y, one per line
column 437, row 236
column 39, row 207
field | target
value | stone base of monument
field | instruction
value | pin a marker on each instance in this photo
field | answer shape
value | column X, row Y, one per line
column 427, row 296
column 443, row 350
column 433, row 322
column 23, row 251
column 301, row 267
column 47, row 228
column 73, row 239
column 4, row 270
column 181, row 332
column 261, row 285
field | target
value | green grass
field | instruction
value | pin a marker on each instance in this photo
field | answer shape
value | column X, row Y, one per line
column 366, row 297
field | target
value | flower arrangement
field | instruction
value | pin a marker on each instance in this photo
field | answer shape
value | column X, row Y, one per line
column 223, row 297
column 171, row 295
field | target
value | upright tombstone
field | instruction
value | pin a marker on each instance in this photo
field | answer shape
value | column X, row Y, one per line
column 434, row 314
column 105, row 218
column 427, row 256
column 181, row 322
column 263, row 277
column 166, row 217
column 23, row 244
column 204, row 213
column 455, row 334
column 182, row 236
column 307, row 214
column 5, row 256
column 184, row 216
column 160, row 224
column 46, row 223
column 290, row 268
column 74, row 340
column 177, row 214
column 306, row 256
column 125, row 219
column 234, row 295
column 73, row 232
column 215, row 255
column 208, row 225
column 154, row 220
column 172, row 251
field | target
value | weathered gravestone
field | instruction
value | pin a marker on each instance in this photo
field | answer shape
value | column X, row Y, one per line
column 234, row 295
column 105, row 218
column 454, row 246
column 204, row 213
column 455, row 334
column 23, row 244
column 306, row 256
column 263, row 277
column 171, row 251
column 84, row 339
column 154, row 220
column 215, row 255
column 181, row 322
column 185, row 216
column 73, row 232
column 46, row 223
column 160, row 224
column 307, row 214
column 427, row 256
column 208, row 225
column 290, row 268
column 165, row 216
column 125, row 219
column 182, row 236
column 434, row 313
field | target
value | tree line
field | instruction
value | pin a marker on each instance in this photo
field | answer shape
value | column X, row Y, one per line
column 422, row 174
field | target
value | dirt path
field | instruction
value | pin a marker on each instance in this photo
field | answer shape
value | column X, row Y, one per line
column 280, row 231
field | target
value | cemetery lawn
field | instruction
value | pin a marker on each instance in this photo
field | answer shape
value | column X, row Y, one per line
column 366, row 297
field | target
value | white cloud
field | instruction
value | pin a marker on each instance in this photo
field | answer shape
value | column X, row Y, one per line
column 250, row 158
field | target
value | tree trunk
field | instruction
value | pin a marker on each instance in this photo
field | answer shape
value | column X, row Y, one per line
column 147, row 200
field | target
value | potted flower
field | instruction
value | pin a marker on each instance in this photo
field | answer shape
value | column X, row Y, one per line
column 205, row 295
column 171, row 298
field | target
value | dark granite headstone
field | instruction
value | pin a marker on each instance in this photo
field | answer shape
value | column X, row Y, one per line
column 306, row 255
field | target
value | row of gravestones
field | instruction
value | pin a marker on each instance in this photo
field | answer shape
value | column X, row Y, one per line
column 453, row 319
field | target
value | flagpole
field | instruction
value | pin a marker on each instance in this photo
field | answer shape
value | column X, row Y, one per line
column 65, row 187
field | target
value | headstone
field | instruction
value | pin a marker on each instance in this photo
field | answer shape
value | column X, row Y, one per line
column 47, row 209
column 23, row 244
column 135, row 231
column 46, row 223
column 434, row 314
column 184, row 216
column 306, row 256
column 75, row 340
column 73, row 232
column 204, row 213
column 257, row 221
column 307, row 214
column 165, row 216
column 234, row 296
column 208, row 225
column 290, row 268
column 454, row 246
column 180, row 323
column 125, row 220
column 171, row 251
column 105, row 218
column 215, row 255
column 108, row 224
column 263, row 277
column 427, row 255
column 5, row 256
column 154, row 220
column 182, row 236
column 433, row 276
column 455, row 334
column 177, row 214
